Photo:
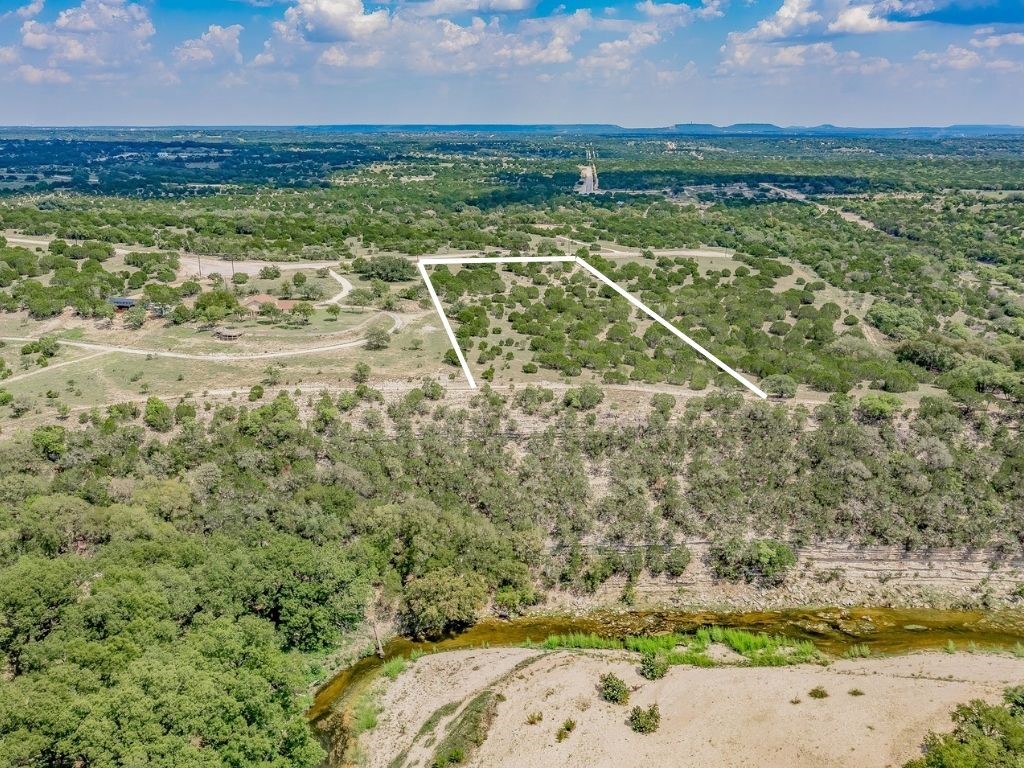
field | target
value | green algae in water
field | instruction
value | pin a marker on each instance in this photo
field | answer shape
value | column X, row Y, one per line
column 832, row 631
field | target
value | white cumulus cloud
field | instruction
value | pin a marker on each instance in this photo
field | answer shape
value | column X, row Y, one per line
column 336, row 56
column 683, row 12
column 674, row 76
column 30, row 11
column 995, row 41
column 331, row 21
column 774, row 60
column 455, row 38
column 97, row 34
column 545, row 41
column 954, row 57
column 793, row 17
column 42, row 75
column 963, row 59
column 861, row 20
column 620, row 55
column 454, row 7
column 217, row 44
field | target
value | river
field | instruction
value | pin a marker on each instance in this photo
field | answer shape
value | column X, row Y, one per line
column 832, row 630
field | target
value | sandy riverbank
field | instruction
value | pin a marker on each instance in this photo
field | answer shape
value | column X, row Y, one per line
column 727, row 717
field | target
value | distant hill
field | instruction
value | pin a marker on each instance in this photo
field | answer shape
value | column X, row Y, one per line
column 682, row 129
column 568, row 129
column 596, row 128
column 767, row 129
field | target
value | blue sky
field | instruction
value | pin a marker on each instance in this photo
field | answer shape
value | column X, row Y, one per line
column 635, row 63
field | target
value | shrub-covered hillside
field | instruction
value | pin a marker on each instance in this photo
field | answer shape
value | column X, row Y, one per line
column 166, row 598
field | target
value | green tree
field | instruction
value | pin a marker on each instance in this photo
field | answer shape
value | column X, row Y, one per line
column 161, row 295
column 34, row 592
column 984, row 736
column 135, row 317
column 895, row 321
column 309, row 593
column 50, row 442
column 181, row 314
column 584, row 398
column 158, row 415
column 779, row 385
column 216, row 305
column 443, row 600
column 361, row 373
column 677, row 560
column 878, row 407
column 390, row 269
column 765, row 561
column 303, row 310
column 377, row 338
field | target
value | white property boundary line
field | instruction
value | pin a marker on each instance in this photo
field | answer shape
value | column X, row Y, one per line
column 438, row 260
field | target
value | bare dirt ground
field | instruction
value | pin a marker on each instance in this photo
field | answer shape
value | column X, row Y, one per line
column 195, row 266
column 725, row 717
column 427, row 685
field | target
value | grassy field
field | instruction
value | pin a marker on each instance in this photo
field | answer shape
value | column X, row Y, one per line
column 84, row 378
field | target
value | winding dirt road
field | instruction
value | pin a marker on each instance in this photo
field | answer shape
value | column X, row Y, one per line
column 398, row 322
column 346, row 289
column 800, row 197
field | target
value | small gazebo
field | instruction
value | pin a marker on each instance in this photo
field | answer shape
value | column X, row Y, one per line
column 228, row 334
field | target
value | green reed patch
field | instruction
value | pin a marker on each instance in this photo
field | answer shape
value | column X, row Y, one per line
column 674, row 648
column 466, row 732
column 581, row 641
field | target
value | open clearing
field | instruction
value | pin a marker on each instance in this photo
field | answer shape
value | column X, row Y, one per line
column 726, row 717
column 99, row 364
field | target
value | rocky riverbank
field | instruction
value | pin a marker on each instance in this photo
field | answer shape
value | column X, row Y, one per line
column 829, row 573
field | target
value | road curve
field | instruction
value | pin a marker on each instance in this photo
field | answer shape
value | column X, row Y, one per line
column 346, row 289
